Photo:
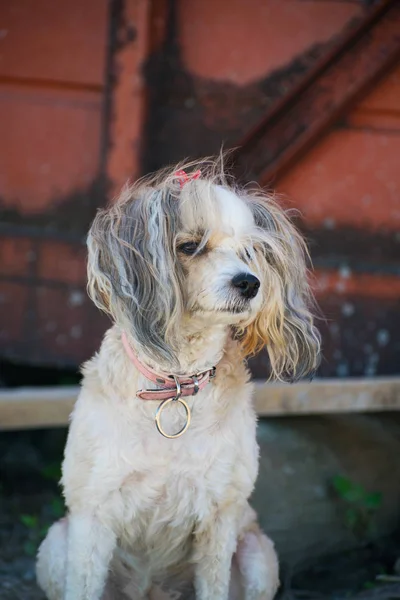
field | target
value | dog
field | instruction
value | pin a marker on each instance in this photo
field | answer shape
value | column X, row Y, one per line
column 197, row 274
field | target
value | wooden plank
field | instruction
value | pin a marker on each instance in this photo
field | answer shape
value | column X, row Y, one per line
column 25, row 408
column 328, row 396
column 50, row 407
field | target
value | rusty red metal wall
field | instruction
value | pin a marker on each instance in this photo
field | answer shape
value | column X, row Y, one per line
column 52, row 98
column 98, row 92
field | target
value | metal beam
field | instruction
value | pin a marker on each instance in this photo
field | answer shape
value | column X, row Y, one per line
column 367, row 51
column 127, row 91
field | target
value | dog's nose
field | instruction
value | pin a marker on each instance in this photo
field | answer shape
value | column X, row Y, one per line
column 246, row 284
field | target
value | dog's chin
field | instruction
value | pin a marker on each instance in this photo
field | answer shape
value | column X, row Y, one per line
column 236, row 310
column 231, row 313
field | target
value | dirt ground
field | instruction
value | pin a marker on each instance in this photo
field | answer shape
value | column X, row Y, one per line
column 30, row 501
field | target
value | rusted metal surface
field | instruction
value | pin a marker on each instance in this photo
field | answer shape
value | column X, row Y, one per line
column 46, row 317
column 53, row 43
column 130, row 22
column 360, row 333
column 52, row 68
column 319, row 100
column 175, row 86
column 349, row 179
column 65, row 216
column 204, row 90
column 353, row 250
column 41, row 180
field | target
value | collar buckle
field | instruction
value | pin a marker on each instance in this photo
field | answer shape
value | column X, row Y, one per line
column 195, row 384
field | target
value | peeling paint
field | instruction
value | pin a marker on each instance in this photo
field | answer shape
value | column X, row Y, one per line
column 76, row 298
column 51, row 326
column 329, row 223
column 342, row 370
column 348, row 309
column 383, row 337
column 344, row 271
column 76, row 332
column 70, row 214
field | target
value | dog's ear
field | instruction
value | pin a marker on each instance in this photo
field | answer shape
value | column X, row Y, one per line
column 133, row 274
column 285, row 323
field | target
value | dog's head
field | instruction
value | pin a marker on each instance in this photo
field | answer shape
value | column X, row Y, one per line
column 165, row 253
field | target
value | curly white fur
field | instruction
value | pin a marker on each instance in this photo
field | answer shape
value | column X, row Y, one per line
column 146, row 513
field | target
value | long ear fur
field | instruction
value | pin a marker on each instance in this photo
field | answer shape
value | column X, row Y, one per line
column 133, row 274
column 285, row 324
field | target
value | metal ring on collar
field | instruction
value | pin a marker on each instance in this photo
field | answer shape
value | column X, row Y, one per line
column 158, row 417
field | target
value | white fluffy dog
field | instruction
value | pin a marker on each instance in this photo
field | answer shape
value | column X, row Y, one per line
column 162, row 455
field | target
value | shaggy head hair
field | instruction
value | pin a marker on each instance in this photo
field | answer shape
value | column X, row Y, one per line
column 163, row 254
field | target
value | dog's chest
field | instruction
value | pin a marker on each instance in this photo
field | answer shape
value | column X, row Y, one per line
column 179, row 479
column 173, row 484
column 163, row 503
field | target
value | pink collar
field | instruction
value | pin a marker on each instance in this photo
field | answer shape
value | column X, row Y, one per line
column 171, row 386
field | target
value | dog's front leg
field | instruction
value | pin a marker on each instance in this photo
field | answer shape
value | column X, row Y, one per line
column 215, row 542
column 89, row 551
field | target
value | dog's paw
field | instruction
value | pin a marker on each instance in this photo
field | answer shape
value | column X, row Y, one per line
column 258, row 566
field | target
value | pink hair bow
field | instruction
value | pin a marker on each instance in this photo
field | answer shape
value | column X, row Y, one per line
column 184, row 178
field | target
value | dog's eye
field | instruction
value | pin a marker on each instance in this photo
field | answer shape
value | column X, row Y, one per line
column 246, row 254
column 188, row 247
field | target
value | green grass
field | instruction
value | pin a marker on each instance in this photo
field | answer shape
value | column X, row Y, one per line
column 360, row 506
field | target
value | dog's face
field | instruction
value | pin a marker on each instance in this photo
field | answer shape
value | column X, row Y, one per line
column 223, row 277
column 164, row 254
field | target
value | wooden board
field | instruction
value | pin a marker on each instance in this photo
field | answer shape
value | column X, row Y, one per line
column 31, row 408
column 50, row 407
column 328, row 396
